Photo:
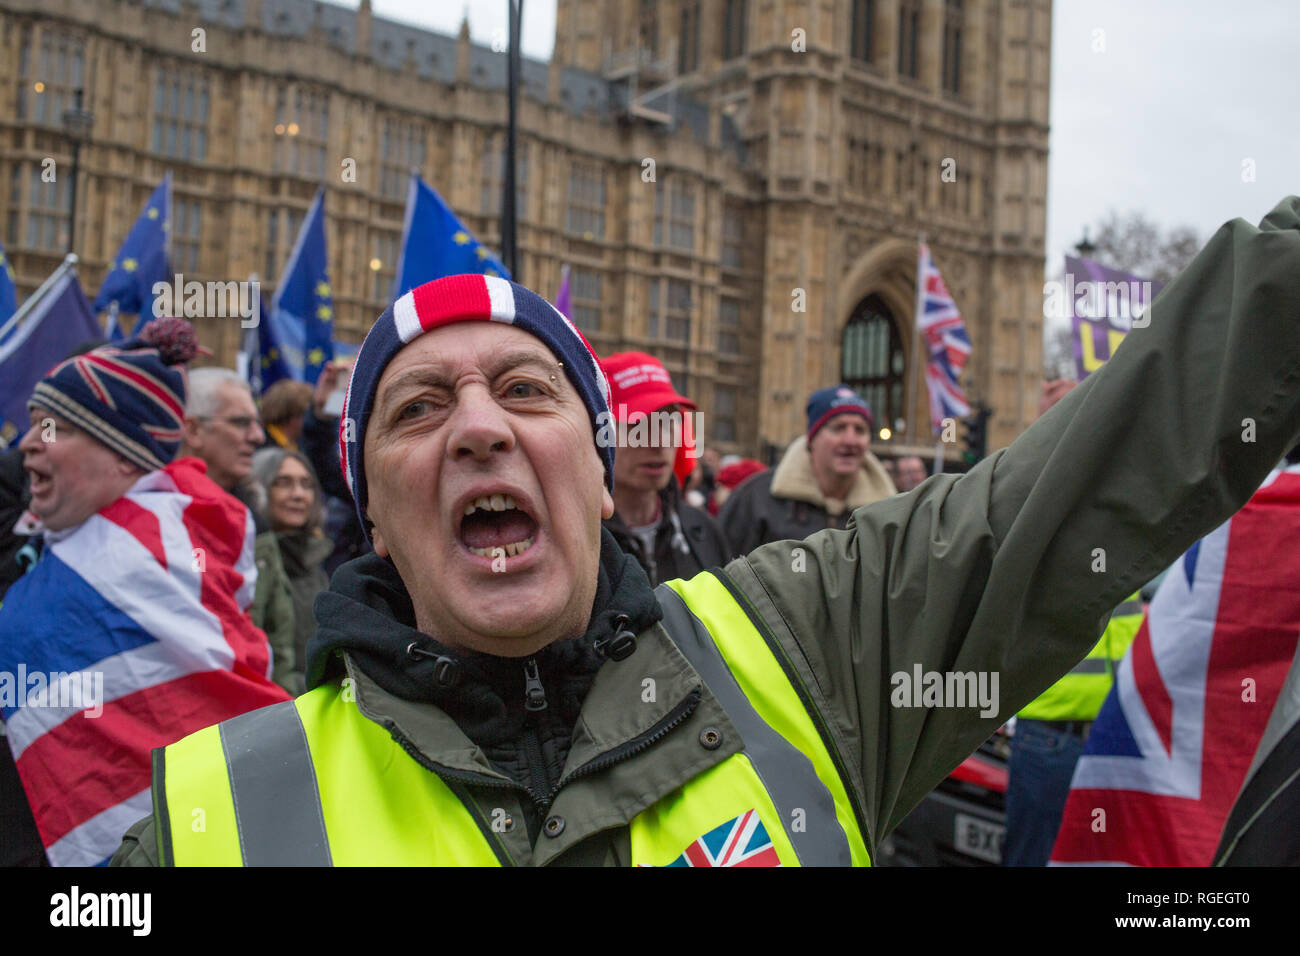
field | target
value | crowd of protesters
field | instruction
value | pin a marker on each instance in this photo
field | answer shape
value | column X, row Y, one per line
column 679, row 508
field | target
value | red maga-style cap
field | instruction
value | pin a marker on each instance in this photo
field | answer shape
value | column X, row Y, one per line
column 638, row 385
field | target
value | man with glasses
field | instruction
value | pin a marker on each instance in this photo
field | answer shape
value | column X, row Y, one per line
column 222, row 427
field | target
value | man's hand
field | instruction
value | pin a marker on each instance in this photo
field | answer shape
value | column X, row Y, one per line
column 1053, row 392
column 326, row 384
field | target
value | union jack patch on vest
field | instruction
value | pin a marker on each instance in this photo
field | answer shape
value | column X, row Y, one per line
column 739, row 842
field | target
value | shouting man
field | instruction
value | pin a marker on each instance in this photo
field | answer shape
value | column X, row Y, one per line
column 548, row 707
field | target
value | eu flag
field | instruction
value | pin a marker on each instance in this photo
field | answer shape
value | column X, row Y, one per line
column 8, row 292
column 436, row 244
column 52, row 322
column 301, row 326
column 142, row 260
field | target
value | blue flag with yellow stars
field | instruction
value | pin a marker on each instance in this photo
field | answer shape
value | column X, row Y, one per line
column 142, row 260
column 436, row 244
column 55, row 319
column 302, row 310
column 267, row 365
column 8, row 291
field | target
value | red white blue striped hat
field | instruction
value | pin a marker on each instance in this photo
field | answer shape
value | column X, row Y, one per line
column 463, row 298
column 129, row 396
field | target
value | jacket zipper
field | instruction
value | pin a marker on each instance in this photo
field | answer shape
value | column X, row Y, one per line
column 534, row 704
column 631, row 748
column 634, row 746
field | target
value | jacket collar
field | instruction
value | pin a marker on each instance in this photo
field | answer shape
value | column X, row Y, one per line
column 794, row 479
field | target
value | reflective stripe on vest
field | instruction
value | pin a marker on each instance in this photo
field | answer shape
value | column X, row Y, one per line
column 1079, row 694
column 806, row 807
column 315, row 781
column 375, row 802
column 255, row 772
column 768, row 689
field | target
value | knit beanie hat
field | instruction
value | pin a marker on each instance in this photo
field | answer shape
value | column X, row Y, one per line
column 464, row 298
column 825, row 403
column 129, row 396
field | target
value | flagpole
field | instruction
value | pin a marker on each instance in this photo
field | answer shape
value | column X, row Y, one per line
column 509, row 249
column 112, row 319
column 167, row 222
column 249, row 348
column 918, row 348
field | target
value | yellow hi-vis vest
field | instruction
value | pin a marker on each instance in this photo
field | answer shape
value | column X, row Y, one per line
column 315, row 782
column 1080, row 693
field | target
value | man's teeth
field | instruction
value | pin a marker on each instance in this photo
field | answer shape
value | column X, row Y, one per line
column 510, row 550
column 490, row 503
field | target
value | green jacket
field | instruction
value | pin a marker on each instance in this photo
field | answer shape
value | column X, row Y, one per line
column 1009, row 571
column 272, row 609
column 302, row 553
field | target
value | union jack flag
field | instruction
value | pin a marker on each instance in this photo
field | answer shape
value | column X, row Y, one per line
column 739, row 842
column 946, row 341
column 130, row 633
column 1171, row 746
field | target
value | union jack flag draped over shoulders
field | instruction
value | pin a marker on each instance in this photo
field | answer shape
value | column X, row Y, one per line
column 1171, row 746
column 739, row 842
column 130, row 633
column 946, row 342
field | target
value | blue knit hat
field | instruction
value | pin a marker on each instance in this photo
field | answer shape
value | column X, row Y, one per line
column 825, row 403
column 129, row 396
column 464, row 298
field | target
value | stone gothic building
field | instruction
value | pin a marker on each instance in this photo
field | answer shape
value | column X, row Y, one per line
column 737, row 185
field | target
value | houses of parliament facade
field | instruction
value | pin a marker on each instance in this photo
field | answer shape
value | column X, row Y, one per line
column 738, row 186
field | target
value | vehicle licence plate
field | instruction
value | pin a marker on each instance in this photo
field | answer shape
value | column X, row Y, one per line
column 978, row 838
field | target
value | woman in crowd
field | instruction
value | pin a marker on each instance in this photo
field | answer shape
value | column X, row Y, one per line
column 294, row 512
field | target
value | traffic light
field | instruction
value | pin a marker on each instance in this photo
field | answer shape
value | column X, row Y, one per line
column 976, row 437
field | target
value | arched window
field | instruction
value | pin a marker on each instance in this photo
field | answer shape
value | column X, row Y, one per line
column 873, row 362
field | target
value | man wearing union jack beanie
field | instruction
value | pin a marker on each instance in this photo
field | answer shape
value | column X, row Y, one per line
column 135, row 617
column 499, row 684
column 102, row 419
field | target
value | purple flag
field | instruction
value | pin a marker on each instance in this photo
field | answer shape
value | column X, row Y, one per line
column 1102, row 304
column 564, row 298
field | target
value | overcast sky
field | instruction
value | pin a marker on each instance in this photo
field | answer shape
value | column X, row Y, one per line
column 1157, row 113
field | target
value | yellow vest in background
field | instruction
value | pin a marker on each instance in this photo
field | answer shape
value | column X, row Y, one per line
column 1080, row 693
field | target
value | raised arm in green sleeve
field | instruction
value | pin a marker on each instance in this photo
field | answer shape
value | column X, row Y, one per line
column 1012, row 569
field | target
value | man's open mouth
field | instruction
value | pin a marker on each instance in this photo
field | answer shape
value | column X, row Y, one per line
column 494, row 526
column 38, row 483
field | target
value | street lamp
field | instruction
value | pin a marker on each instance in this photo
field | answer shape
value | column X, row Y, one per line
column 77, row 124
column 1083, row 247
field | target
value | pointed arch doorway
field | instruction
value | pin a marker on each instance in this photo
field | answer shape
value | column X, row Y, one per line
column 873, row 361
